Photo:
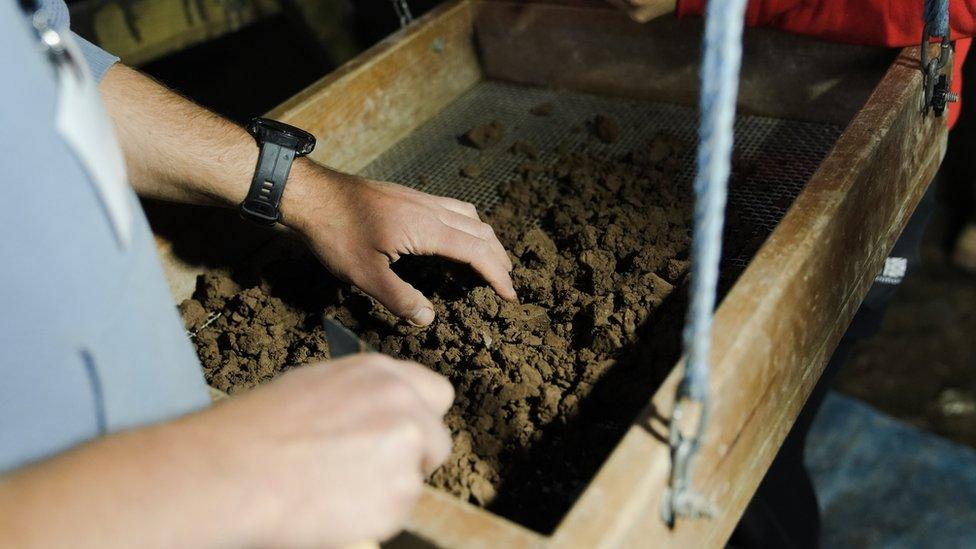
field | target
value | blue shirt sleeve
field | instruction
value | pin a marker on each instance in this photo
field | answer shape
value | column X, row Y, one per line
column 98, row 59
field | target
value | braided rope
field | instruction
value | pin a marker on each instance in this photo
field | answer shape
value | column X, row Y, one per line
column 936, row 13
column 724, row 21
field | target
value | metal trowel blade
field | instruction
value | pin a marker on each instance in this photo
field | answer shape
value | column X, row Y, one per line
column 342, row 342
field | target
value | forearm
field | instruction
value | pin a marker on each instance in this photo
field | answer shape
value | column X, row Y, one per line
column 178, row 151
column 154, row 487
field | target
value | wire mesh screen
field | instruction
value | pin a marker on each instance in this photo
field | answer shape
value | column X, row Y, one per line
column 773, row 158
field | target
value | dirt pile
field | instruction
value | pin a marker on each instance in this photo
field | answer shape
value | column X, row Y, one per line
column 545, row 387
column 606, row 128
column 486, row 136
column 542, row 109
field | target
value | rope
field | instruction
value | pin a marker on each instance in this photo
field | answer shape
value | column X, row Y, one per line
column 936, row 13
column 724, row 20
column 720, row 84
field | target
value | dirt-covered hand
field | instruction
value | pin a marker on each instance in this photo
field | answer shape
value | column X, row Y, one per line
column 645, row 10
column 358, row 227
column 331, row 454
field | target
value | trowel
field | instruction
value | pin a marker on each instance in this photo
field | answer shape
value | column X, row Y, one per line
column 342, row 342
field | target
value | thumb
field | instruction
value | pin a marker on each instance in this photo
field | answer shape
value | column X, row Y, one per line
column 396, row 295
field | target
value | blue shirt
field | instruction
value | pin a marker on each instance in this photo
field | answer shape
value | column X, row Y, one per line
column 90, row 341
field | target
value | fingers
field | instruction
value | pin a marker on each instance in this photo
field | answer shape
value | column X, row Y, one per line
column 479, row 254
column 481, row 230
column 418, row 396
column 466, row 209
column 478, row 246
column 435, row 390
column 436, row 441
column 419, row 435
column 399, row 297
column 424, row 397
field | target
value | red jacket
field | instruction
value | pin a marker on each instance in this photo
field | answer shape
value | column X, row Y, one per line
column 892, row 23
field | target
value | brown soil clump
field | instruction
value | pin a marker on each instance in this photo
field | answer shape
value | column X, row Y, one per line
column 542, row 109
column 525, row 148
column 545, row 387
column 471, row 171
column 606, row 129
column 486, row 136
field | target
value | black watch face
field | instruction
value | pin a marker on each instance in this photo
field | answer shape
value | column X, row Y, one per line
column 265, row 129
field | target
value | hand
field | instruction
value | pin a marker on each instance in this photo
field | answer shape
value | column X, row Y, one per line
column 323, row 456
column 358, row 227
column 333, row 454
column 643, row 11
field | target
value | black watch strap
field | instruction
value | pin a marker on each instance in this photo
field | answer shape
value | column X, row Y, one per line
column 279, row 145
column 268, row 185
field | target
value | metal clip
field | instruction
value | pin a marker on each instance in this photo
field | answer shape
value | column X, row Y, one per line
column 684, row 437
column 403, row 12
column 935, row 87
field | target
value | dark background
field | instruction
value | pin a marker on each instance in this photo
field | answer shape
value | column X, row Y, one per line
column 248, row 72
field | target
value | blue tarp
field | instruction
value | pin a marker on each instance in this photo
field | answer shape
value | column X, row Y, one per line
column 882, row 483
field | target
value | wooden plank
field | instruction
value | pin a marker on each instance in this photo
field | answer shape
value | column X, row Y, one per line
column 441, row 520
column 777, row 327
column 600, row 50
column 139, row 31
column 365, row 107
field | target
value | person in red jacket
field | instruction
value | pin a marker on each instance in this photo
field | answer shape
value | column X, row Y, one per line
column 784, row 511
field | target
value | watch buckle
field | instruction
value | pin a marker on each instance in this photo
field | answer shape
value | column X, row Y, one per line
column 260, row 212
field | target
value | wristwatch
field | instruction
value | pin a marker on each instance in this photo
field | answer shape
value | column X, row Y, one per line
column 280, row 144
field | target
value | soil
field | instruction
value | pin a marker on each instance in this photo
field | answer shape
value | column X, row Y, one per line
column 525, row 148
column 546, row 386
column 542, row 109
column 606, row 128
column 471, row 171
column 485, row 136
